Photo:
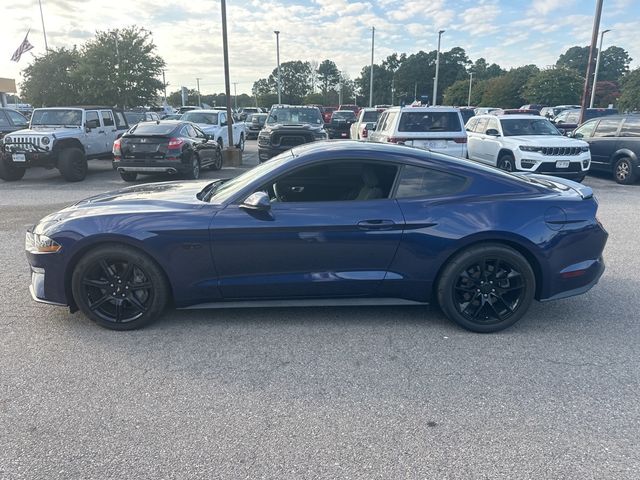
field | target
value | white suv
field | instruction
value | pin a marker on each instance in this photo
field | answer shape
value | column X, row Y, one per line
column 439, row 129
column 527, row 143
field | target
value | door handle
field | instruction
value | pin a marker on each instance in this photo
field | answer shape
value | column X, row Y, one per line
column 376, row 224
column 297, row 189
column 100, row 131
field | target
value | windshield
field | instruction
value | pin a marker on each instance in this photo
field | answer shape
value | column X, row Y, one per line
column 57, row 117
column 294, row 115
column 199, row 117
column 528, row 126
column 230, row 188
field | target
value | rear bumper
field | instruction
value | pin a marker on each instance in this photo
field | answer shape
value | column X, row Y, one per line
column 171, row 167
column 593, row 270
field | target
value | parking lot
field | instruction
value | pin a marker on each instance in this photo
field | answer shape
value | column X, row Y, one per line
column 392, row 392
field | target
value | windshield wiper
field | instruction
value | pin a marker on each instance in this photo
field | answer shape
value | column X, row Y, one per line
column 206, row 193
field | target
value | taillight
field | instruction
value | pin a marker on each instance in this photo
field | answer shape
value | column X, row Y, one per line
column 175, row 143
column 117, row 151
column 397, row 140
column 460, row 140
column 365, row 133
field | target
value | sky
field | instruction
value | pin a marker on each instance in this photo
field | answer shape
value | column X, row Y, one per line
column 188, row 33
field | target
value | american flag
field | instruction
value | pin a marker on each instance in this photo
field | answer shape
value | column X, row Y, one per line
column 24, row 47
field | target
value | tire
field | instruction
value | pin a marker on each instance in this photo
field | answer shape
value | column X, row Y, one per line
column 486, row 288
column 129, row 176
column 240, row 144
column 507, row 163
column 72, row 164
column 623, row 171
column 119, row 287
column 193, row 172
column 9, row 172
column 217, row 161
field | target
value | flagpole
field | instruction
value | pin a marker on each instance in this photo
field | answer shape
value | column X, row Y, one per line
column 44, row 32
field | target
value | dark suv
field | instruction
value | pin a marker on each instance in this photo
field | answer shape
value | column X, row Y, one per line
column 288, row 126
column 568, row 120
column 614, row 142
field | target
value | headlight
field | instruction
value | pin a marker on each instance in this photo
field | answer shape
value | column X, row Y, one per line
column 46, row 140
column 35, row 243
column 584, row 149
column 527, row 148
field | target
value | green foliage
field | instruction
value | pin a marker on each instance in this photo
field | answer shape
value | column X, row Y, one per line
column 614, row 62
column 575, row 58
column 100, row 73
column 505, row 91
column 554, row 86
column 50, row 80
column 630, row 94
column 607, row 93
column 457, row 93
column 328, row 77
column 295, row 81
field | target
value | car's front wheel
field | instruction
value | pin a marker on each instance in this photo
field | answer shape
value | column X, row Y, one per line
column 486, row 288
column 217, row 160
column 9, row 172
column 507, row 163
column 193, row 170
column 119, row 287
column 73, row 164
column 128, row 176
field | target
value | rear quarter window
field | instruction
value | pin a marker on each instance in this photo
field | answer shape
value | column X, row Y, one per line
column 607, row 127
column 426, row 182
column 430, row 122
column 631, row 127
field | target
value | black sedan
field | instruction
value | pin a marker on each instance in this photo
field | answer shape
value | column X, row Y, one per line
column 165, row 146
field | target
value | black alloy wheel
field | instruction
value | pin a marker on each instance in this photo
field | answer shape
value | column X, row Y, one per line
column 217, row 160
column 119, row 288
column 129, row 176
column 241, row 143
column 72, row 164
column 9, row 172
column 486, row 288
column 623, row 171
column 193, row 172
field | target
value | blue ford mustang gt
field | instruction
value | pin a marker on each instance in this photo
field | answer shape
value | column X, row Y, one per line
column 344, row 223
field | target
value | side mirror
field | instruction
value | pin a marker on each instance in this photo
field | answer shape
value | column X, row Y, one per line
column 574, row 135
column 492, row 132
column 257, row 201
column 559, row 122
column 374, row 126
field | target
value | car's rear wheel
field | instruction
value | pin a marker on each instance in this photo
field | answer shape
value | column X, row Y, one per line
column 217, row 160
column 9, row 172
column 72, row 164
column 129, row 176
column 486, row 288
column 623, row 172
column 193, row 171
column 241, row 143
column 507, row 163
column 119, row 287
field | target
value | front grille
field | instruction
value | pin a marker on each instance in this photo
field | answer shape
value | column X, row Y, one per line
column 23, row 143
column 550, row 167
column 561, row 151
column 291, row 140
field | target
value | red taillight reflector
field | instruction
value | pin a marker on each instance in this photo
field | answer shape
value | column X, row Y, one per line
column 575, row 273
column 175, row 142
column 365, row 133
column 460, row 140
column 116, row 148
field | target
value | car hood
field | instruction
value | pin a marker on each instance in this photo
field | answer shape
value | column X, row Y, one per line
column 137, row 200
column 57, row 131
column 293, row 126
column 547, row 141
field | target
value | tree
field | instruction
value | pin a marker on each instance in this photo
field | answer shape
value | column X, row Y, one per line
column 575, row 58
column 607, row 93
column 295, row 80
column 630, row 94
column 175, row 98
column 506, row 91
column 457, row 93
column 49, row 81
column 381, row 85
column 482, row 71
column 328, row 77
column 554, row 86
column 120, row 67
column 614, row 62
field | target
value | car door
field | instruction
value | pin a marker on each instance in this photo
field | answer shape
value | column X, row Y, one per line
column 202, row 145
column 630, row 136
column 311, row 243
column 111, row 133
column 492, row 143
column 94, row 134
column 604, row 140
column 475, row 147
column 585, row 133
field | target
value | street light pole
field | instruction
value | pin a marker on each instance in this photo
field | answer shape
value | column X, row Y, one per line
column 164, row 86
column 373, row 36
column 470, row 83
column 592, row 47
column 44, row 32
column 277, row 32
column 198, row 82
column 435, row 80
column 595, row 75
column 235, row 96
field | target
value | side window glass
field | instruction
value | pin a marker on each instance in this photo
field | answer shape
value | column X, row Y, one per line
column 573, row 117
column 585, row 131
column 4, row 121
column 191, row 132
column 481, row 127
column 199, row 133
column 93, row 121
column 631, row 127
column 223, row 118
column 16, row 118
column 121, row 122
column 607, row 128
column 107, row 118
column 388, row 124
column 492, row 123
column 418, row 182
column 471, row 125
column 381, row 121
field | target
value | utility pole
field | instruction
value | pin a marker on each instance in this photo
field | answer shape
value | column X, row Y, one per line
column 44, row 32
column 595, row 75
column 373, row 37
column 235, row 96
column 415, row 92
column 164, row 86
column 592, row 47
column 198, row 82
column 227, row 84
column 435, row 80
column 277, row 32
column 470, row 83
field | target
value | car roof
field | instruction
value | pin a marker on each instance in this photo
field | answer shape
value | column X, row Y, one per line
column 424, row 109
column 516, row 116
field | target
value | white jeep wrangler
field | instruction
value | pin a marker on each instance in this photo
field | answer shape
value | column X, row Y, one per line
column 63, row 138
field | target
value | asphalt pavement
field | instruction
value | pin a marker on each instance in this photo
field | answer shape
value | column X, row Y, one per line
column 300, row 393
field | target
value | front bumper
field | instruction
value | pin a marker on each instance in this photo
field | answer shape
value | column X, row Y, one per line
column 32, row 158
column 577, row 167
